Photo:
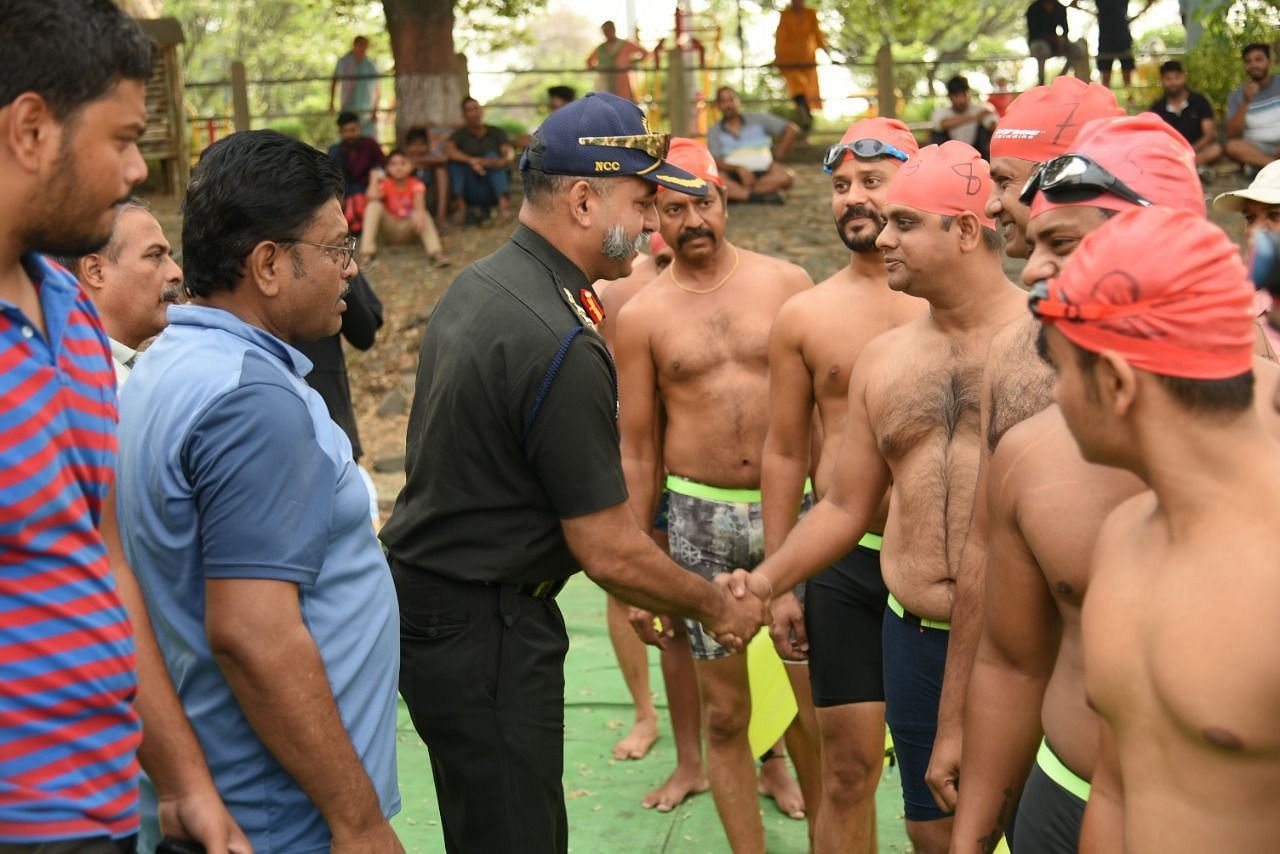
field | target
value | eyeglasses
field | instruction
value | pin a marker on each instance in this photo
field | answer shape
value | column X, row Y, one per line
column 653, row 144
column 867, row 149
column 1074, row 178
column 345, row 251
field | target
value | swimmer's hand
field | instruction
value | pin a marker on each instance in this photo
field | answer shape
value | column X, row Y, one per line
column 742, row 611
column 787, row 628
column 653, row 630
column 943, row 774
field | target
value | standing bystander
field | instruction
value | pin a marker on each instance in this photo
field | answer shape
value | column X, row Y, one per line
column 357, row 77
column 78, row 659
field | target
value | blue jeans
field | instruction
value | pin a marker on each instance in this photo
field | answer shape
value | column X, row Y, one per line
column 481, row 191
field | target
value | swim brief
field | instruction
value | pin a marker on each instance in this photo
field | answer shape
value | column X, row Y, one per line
column 1052, row 807
column 844, row 616
column 915, row 655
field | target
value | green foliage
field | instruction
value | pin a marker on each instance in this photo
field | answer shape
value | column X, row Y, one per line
column 276, row 40
column 1214, row 66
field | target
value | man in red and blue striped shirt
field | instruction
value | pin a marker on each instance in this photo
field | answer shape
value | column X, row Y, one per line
column 72, row 108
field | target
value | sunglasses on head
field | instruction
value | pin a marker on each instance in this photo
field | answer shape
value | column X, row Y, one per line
column 655, row 145
column 1074, row 178
column 866, row 149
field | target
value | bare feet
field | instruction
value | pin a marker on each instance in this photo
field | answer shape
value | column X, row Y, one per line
column 635, row 744
column 776, row 782
column 683, row 783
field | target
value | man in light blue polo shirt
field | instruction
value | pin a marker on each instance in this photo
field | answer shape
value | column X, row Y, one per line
column 247, row 522
column 747, row 148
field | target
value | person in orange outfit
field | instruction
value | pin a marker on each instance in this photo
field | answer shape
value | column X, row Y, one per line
column 795, row 48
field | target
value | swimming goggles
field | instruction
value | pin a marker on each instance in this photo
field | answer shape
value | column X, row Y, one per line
column 1074, row 178
column 865, row 149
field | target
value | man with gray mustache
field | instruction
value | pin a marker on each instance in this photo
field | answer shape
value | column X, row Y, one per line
column 132, row 282
column 693, row 353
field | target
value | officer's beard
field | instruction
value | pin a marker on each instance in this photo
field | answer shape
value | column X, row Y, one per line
column 617, row 246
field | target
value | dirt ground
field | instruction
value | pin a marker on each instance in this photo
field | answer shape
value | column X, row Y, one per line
column 800, row 231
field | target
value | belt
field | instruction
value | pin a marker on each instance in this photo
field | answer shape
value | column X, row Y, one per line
column 542, row 589
column 875, row 542
column 907, row 617
column 1057, row 771
column 694, row 489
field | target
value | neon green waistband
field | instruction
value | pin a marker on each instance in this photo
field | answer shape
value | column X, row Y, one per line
column 694, row 489
column 1057, row 771
column 896, row 607
column 875, row 542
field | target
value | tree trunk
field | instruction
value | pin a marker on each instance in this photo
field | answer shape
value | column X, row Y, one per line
column 430, row 79
column 886, row 97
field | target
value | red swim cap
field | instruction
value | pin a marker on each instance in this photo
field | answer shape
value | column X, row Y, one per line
column 1148, row 155
column 1183, row 313
column 695, row 158
column 948, row 179
column 1043, row 122
column 656, row 242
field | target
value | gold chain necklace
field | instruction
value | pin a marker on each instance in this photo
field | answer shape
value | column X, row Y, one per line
column 717, row 286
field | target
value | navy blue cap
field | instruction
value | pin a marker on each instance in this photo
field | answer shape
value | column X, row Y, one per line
column 604, row 136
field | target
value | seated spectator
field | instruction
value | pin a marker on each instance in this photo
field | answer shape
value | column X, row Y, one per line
column 359, row 157
column 1047, row 36
column 1253, row 112
column 558, row 96
column 964, row 119
column 747, row 148
column 480, row 158
column 1190, row 113
column 397, row 210
column 1260, row 205
column 1002, row 97
column 132, row 281
column 430, row 166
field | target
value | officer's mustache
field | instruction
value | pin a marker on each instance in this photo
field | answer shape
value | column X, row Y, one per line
column 694, row 234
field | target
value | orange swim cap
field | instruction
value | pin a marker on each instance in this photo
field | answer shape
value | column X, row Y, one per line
column 1181, row 313
column 1147, row 154
column 1044, row 122
column 889, row 131
column 695, row 158
column 948, row 179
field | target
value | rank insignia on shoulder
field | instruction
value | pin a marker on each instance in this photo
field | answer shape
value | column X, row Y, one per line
column 591, row 304
column 583, row 317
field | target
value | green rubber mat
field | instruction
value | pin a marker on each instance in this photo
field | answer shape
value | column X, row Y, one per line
column 603, row 794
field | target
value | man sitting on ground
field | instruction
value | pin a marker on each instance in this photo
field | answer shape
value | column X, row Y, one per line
column 964, row 119
column 1253, row 112
column 479, row 158
column 747, row 148
column 359, row 157
column 1189, row 112
column 431, row 167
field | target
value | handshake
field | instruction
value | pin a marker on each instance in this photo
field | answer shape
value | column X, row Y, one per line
column 736, row 611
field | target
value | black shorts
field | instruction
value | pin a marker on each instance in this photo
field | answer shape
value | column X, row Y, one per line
column 1107, row 61
column 844, row 617
column 1049, row 815
column 915, row 657
column 733, row 176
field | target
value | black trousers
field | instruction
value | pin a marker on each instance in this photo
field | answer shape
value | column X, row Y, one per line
column 482, row 672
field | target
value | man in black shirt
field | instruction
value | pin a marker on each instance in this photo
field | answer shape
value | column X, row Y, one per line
column 1047, row 35
column 479, row 157
column 514, row 482
column 1190, row 113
